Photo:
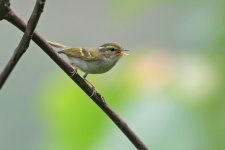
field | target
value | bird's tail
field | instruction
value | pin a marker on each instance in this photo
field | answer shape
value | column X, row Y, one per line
column 57, row 45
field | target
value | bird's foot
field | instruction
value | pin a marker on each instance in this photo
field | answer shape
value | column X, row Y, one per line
column 93, row 91
column 74, row 72
column 92, row 86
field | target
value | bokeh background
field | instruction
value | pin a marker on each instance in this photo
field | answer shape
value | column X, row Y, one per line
column 170, row 89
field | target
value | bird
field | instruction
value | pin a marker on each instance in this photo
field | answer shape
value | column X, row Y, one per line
column 92, row 60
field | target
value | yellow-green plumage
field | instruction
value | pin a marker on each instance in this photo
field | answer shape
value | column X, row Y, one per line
column 92, row 60
column 82, row 53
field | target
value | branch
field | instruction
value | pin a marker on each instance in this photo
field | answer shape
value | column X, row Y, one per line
column 4, row 8
column 97, row 98
column 24, row 42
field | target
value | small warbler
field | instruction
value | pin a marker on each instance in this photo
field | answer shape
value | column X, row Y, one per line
column 92, row 60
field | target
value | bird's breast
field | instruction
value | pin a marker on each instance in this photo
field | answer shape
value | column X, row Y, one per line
column 95, row 66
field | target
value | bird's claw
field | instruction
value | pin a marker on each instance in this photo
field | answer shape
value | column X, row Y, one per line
column 73, row 72
column 93, row 91
column 92, row 86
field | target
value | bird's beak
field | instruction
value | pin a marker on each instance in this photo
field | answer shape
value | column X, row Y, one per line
column 123, row 52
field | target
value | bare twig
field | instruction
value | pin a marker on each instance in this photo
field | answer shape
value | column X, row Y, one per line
column 24, row 42
column 97, row 98
column 4, row 8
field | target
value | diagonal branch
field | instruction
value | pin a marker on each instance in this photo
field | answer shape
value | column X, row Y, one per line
column 97, row 98
column 24, row 42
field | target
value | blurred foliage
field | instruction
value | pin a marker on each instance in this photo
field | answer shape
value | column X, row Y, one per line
column 182, row 85
column 73, row 120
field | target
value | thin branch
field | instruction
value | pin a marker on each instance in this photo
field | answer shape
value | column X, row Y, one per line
column 24, row 42
column 97, row 98
column 4, row 8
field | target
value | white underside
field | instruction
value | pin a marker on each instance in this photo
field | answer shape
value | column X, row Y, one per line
column 94, row 67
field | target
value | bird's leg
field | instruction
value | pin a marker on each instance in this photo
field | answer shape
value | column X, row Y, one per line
column 92, row 86
column 74, row 70
column 85, row 75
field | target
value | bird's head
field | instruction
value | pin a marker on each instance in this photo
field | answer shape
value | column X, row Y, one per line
column 112, row 50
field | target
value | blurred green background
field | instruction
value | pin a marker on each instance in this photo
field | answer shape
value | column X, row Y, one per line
column 170, row 89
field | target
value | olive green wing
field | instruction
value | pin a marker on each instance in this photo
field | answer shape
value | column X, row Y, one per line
column 85, row 54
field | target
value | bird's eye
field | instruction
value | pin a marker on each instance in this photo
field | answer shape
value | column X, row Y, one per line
column 112, row 49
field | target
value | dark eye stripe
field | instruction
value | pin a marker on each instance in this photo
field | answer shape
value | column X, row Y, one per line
column 112, row 49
